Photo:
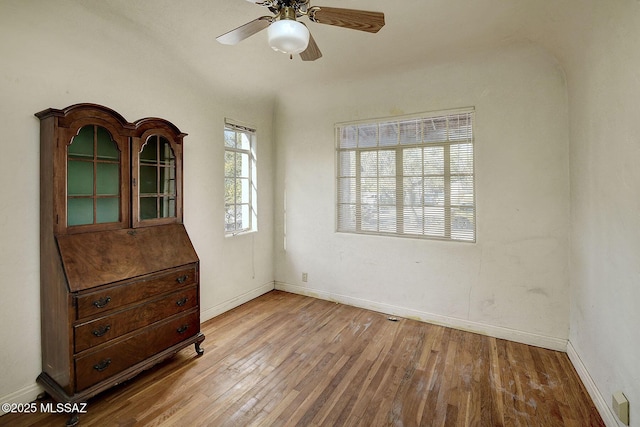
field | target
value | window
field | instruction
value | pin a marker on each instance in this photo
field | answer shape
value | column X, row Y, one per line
column 407, row 176
column 239, row 179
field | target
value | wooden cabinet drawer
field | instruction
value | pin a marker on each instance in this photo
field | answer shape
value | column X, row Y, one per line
column 103, row 329
column 108, row 299
column 115, row 358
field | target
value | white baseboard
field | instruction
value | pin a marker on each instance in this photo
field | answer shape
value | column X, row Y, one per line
column 25, row 395
column 218, row 309
column 537, row 340
column 601, row 404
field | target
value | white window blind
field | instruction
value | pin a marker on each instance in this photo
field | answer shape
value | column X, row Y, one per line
column 239, row 178
column 408, row 176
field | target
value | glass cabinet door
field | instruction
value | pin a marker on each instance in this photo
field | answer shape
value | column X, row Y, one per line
column 157, row 188
column 93, row 178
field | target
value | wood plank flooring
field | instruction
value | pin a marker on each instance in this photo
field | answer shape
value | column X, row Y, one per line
column 288, row 360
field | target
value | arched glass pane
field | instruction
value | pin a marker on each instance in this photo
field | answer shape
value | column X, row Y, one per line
column 82, row 143
column 107, row 148
column 157, row 179
column 166, row 154
column 149, row 153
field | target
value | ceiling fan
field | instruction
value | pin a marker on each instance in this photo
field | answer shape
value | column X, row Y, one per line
column 290, row 36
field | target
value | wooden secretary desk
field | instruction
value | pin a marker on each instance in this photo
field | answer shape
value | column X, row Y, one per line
column 119, row 275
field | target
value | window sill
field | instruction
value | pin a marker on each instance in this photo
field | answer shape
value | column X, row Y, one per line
column 239, row 233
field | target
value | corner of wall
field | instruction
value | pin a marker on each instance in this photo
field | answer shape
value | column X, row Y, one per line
column 598, row 400
column 224, row 306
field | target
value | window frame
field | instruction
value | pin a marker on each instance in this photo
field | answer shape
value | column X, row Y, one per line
column 355, row 208
column 250, row 176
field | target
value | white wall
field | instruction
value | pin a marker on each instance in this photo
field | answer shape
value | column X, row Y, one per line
column 604, row 89
column 55, row 54
column 514, row 281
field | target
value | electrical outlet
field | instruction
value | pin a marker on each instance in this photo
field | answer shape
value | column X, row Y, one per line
column 305, row 277
column 620, row 406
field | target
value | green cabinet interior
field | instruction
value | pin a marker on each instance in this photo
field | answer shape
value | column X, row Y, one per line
column 93, row 178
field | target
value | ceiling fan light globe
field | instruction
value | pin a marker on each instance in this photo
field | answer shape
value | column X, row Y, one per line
column 288, row 36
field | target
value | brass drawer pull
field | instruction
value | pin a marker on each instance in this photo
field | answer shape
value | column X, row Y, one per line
column 101, row 330
column 102, row 365
column 182, row 301
column 102, row 302
column 182, row 329
column 182, row 279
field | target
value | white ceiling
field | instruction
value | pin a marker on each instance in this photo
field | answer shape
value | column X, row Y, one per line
column 416, row 32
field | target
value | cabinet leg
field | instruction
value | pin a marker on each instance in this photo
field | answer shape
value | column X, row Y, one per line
column 199, row 350
column 73, row 420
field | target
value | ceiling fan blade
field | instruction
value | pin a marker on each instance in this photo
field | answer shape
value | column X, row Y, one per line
column 312, row 52
column 361, row 20
column 245, row 31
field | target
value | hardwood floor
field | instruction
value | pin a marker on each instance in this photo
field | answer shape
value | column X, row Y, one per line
column 287, row 360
